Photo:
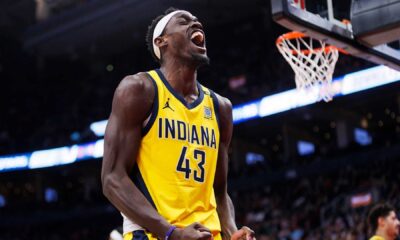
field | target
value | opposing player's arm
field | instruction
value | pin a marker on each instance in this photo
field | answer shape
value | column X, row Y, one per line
column 132, row 102
column 225, row 208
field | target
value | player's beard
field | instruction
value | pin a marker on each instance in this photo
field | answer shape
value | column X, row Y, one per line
column 200, row 59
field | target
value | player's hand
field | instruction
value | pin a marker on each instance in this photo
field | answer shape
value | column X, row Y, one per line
column 244, row 233
column 195, row 231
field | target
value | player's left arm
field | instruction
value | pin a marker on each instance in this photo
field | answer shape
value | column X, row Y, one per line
column 225, row 208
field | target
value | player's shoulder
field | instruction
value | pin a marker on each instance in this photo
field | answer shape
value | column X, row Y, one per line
column 224, row 103
column 225, row 117
column 137, row 83
column 134, row 90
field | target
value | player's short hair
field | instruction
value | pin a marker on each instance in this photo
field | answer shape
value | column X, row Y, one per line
column 150, row 30
column 377, row 211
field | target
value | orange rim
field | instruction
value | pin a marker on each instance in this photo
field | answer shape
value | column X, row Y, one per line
column 296, row 35
column 290, row 36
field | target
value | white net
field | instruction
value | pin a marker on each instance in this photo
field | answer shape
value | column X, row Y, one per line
column 312, row 61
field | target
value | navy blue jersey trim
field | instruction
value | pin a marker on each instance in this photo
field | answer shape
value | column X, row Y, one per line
column 179, row 97
column 154, row 110
column 137, row 179
column 216, row 107
column 139, row 235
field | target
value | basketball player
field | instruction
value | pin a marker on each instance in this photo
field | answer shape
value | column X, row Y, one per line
column 383, row 222
column 166, row 144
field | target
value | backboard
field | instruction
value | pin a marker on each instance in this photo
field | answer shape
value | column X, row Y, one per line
column 293, row 14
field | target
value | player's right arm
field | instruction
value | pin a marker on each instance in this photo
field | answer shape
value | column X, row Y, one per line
column 132, row 101
column 131, row 106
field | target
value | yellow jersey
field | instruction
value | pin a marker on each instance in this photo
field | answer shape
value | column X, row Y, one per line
column 376, row 238
column 178, row 154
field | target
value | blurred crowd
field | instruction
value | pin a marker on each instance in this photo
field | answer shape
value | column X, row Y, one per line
column 316, row 206
column 319, row 206
column 50, row 102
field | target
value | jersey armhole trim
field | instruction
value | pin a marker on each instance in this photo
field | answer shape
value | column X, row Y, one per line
column 137, row 179
column 154, row 110
column 216, row 107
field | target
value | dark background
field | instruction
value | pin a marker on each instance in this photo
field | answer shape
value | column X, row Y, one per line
column 61, row 60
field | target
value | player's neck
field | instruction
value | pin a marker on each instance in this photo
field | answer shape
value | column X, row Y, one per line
column 181, row 77
column 383, row 234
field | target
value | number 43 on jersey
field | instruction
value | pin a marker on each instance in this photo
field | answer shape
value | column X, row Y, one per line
column 184, row 165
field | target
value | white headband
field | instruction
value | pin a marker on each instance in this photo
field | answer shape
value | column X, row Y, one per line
column 160, row 28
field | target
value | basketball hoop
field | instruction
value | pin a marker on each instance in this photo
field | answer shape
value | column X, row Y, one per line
column 313, row 62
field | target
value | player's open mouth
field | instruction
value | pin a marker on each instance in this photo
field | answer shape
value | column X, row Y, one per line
column 197, row 38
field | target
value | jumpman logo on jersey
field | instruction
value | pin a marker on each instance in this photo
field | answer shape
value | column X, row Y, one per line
column 167, row 105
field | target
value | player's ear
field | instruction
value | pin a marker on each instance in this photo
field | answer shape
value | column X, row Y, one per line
column 381, row 221
column 161, row 41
